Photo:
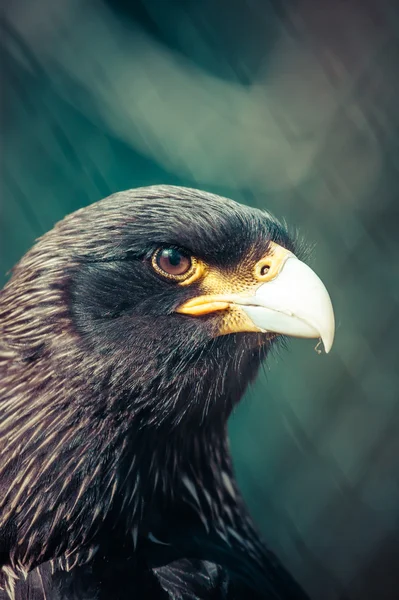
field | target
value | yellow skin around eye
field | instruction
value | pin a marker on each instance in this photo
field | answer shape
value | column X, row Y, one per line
column 217, row 281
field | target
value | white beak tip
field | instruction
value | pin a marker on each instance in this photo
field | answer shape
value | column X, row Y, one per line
column 327, row 345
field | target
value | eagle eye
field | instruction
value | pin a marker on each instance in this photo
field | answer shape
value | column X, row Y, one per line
column 173, row 263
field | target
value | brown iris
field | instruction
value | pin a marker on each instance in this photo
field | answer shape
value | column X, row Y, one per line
column 172, row 263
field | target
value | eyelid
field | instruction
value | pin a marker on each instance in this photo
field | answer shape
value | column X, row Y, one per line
column 199, row 271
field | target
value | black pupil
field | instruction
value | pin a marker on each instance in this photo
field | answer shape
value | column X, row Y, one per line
column 173, row 256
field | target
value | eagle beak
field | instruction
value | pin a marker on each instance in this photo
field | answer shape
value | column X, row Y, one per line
column 295, row 303
column 290, row 299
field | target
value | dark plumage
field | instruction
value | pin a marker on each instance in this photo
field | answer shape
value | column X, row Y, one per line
column 113, row 408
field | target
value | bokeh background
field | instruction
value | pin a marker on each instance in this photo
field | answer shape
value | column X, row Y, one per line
column 289, row 106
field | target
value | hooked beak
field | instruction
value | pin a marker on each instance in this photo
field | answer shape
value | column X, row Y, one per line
column 296, row 303
column 293, row 302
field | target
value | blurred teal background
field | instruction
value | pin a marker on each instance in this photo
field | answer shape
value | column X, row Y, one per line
column 289, row 106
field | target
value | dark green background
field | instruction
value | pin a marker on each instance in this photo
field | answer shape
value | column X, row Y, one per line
column 289, row 106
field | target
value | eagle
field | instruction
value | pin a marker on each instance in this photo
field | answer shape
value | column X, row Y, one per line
column 128, row 334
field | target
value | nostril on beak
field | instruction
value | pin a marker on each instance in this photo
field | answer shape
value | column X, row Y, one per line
column 263, row 269
column 268, row 267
